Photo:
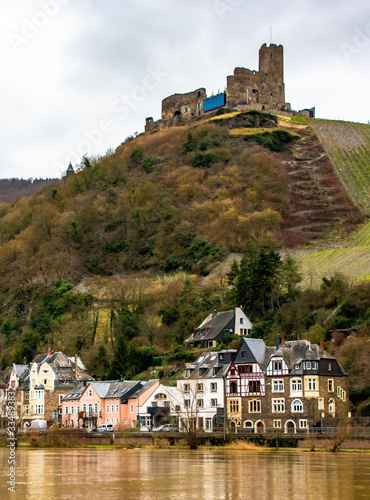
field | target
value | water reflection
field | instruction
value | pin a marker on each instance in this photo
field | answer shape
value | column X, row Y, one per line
column 185, row 475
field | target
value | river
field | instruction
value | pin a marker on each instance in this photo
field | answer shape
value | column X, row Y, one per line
column 149, row 474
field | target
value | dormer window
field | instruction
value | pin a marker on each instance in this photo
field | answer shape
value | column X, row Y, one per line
column 277, row 366
column 187, row 372
column 296, row 367
column 244, row 354
column 308, row 365
column 313, row 365
column 329, row 366
column 202, row 371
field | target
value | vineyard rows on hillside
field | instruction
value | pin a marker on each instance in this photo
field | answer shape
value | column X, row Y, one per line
column 348, row 147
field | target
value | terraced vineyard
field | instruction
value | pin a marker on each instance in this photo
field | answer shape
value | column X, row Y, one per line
column 348, row 146
column 352, row 262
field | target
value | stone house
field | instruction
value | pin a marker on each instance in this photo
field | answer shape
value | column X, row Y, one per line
column 211, row 330
column 290, row 387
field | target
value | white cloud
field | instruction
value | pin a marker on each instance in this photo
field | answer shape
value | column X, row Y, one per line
column 62, row 82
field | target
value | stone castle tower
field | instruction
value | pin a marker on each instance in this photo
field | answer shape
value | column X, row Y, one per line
column 263, row 89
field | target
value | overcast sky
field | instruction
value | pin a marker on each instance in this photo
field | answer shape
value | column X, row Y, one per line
column 79, row 76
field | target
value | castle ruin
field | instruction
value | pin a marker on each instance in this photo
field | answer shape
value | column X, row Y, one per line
column 246, row 89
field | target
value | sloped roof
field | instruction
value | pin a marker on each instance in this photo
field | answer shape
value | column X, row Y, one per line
column 19, row 370
column 255, row 352
column 212, row 326
column 208, row 361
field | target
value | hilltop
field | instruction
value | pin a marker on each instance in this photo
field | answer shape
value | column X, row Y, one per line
column 122, row 259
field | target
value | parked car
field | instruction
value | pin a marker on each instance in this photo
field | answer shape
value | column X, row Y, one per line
column 166, row 428
column 105, row 428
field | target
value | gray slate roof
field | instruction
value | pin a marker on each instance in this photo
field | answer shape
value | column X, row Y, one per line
column 212, row 326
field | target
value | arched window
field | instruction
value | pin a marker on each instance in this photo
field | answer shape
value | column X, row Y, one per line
column 90, row 410
column 160, row 395
column 297, row 406
column 248, row 424
column 96, row 408
column 84, row 407
column 233, row 387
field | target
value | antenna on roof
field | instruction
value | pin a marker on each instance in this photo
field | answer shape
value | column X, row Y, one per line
column 270, row 33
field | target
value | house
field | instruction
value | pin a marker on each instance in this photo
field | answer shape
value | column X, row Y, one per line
column 41, row 384
column 201, row 391
column 159, row 407
column 211, row 330
column 289, row 387
column 111, row 402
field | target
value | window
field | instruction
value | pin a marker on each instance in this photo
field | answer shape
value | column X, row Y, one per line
column 331, row 407
column 116, row 408
column 241, row 321
column 254, row 406
column 46, row 381
column 198, row 105
column 303, row 424
column 233, row 405
column 200, row 403
column 338, row 391
column 96, row 408
column 248, row 424
column 320, row 403
column 187, row 403
column 208, row 424
column 277, row 424
column 308, row 365
column 244, row 354
column 90, row 410
column 90, row 393
column 78, row 410
column 254, row 386
column 200, row 387
column 84, row 408
column 131, row 408
column 297, row 406
column 186, row 110
column 72, row 409
column 161, row 395
column 233, row 387
column 39, row 409
column 313, row 364
column 112, row 408
column 277, row 366
column 66, row 410
column 278, row 405
column 330, row 385
column 214, row 403
column 329, row 366
column 215, row 371
column 107, row 409
column 296, row 385
column 214, row 387
column 278, row 385
column 186, row 387
column 45, row 371
column 311, row 384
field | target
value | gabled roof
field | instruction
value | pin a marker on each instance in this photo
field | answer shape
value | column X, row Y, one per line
column 63, row 366
column 20, row 370
column 213, row 325
column 255, row 352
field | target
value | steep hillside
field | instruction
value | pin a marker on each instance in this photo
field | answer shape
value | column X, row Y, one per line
column 12, row 189
column 348, row 147
column 181, row 198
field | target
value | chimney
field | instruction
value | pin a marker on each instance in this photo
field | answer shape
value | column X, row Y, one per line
column 24, row 361
column 49, row 351
column 282, row 341
column 278, row 342
column 322, row 345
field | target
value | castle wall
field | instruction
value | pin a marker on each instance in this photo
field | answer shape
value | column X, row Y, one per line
column 183, row 105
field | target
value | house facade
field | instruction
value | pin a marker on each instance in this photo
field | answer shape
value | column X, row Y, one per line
column 200, row 391
column 290, row 387
column 112, row 402
column 211, row 331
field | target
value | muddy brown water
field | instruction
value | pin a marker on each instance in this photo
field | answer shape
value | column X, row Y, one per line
column 147, row 474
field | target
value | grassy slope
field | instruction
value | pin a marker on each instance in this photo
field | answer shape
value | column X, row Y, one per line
column 353, row 261
column 348, row 146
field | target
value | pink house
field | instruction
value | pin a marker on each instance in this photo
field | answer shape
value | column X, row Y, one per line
column 113, row 402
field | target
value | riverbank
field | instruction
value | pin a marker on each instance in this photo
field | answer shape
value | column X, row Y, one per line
column 61, row 438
